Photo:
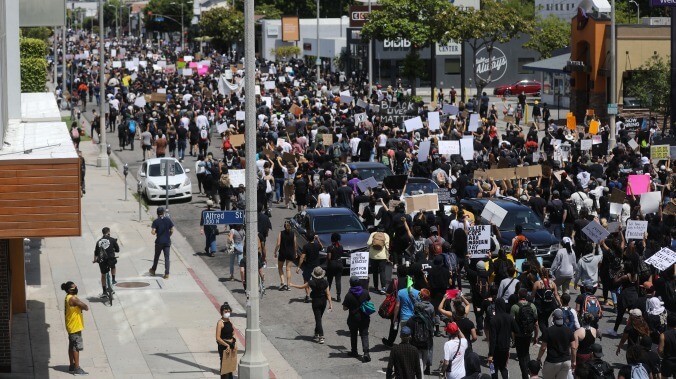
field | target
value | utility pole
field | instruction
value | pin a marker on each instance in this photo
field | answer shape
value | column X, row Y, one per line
column 318, row 62
column 253, row 364
column 102, row 160
column 370, row 58
column 613, row 75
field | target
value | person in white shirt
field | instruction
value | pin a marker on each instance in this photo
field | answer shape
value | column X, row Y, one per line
column 508, row 284
column 454, row 353
column 583, row 177
column 324, row 199
column 354, row 147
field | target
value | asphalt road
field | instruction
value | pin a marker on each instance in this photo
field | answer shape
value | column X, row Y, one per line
column 285, row 319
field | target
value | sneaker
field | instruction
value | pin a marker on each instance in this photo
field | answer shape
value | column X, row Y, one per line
column 114, row 282
column 102, row 296
column 386, row 342
column 381, row 292
column 151, row 272
column 79, row 371
column 321, row 339
column 479, row 333
column 366, row 358
column 612, row 333
column 353, row 354
column 166, row 276
column 281, row 287
column 71, row 368
column 307, row 298
column 315, row 338
column 338, row 298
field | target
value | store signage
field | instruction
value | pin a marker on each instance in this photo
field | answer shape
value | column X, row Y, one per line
column 493, row 68
column 451, row 48
column 359, row 14
column 401, row 43
column 663, row 3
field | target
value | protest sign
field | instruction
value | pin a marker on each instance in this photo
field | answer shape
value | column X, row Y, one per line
column 427, row 202
column 237, row 140
column 528, row 171
column 424, row 150
column 595, row 232
column 296, row 110
column 444, row 196
column 500, row 174
column 327, row 139
column 480, row 174
column 663, row 259
column 617, row 196
column 615, row 209
column 449, row 147
column 359, row 264
column 362, row 104
column 659, row 152
column 638, row 184
column 288, row 157
column 140, row 102
column 650, row 202
column 359, row 118
column 367, row 183
column 596, row 140
column 239, row 115
column 536, row 156
column 222, row 127
column 467, row 148
column 613, row 227
column 473, row 122
column 635, row 229
column 450, row 109
column 269, row 84
column 237, row 178
column 632, row 144
column 397, row 112
column 413, row 124
column 586, row 144
column 494, row 213
column 478, row 240
column 434, row 122
column 346, row 99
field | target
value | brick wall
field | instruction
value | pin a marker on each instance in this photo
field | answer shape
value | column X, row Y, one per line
column 5, row 309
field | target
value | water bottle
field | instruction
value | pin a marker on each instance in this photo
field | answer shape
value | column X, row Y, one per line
column 491, row 367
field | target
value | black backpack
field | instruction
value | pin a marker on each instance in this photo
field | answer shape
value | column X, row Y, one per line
column 483, row 286
column 421, row 333
column 526, row 319
column 601, row 370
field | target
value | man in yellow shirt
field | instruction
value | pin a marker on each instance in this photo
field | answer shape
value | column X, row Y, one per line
column 73, row 308
column 379, row 256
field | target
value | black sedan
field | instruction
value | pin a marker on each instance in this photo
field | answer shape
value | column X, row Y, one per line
column 325, row 221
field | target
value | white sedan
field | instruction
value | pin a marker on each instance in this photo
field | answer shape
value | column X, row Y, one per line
column 153, row 181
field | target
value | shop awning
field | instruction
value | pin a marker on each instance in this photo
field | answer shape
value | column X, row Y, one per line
column 555, row 65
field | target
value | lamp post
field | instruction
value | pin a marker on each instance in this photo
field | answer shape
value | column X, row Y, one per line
column 638, row 11
column 370, row 56
column 318, row 62
column 613, row 75
column 102, row 159
column 253, row 363
column 182, row 27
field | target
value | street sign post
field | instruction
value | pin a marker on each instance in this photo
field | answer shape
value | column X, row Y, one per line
column 167, row 169
column 612, row 108
column 223, row 218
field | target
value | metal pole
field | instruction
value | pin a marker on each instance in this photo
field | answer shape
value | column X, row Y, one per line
column 318, row 62
column 102, row 159
column 253, row 363
column 166, row 187
column 370, row 59
column 182, row 31
column 613, row 74
column 56, row 59
column 63, row 63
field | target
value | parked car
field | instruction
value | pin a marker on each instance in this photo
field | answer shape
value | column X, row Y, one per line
column 325, row 221
column 154, row 182
column 368, row 169
column 528, row 87
column 544, row 243
column 418, row 185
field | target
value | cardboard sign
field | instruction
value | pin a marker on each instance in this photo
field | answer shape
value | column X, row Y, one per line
column 529, row 171
column 480, row 174
column 636, row 229
column 367, row 183
column 427, row 202
column 478, row 240
column 296, row 110
column 395, row 182
column 434, row 121
column 493, row 213
column 663, row 259
column 659, row 152
column 413, row 124
column 467, row 148
column 617, row 196
column 359, row 264
column 595, row 232
column 288, row 157
column 327, row 139
column 158, row 97
column 237, row 178
column 500, row 173
column 237, row 140
column 269, row 153
column 449, row 147
column 638, row 184
column 650, row 202
column 424, row 151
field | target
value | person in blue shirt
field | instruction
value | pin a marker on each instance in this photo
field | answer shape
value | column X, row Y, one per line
column 162, row 228
column 406, row 299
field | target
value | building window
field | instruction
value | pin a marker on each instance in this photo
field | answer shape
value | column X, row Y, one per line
column 524, row 61
column 547, row 6
column 452, row 66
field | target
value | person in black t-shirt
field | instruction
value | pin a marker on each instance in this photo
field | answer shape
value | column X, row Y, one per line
column 309, row 259
column 181, row 142
column 320, row 294
column 357, row 321
column 560, row 344
column 634, row 364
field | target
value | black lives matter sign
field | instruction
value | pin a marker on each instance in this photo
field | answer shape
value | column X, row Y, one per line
column 478, row 240
column 397, row 112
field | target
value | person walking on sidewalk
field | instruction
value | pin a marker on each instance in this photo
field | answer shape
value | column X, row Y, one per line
column 227, row 344
column 74, row 326
column 162, row 228
column 104, row 255
column 209, row 231
column 319, row 293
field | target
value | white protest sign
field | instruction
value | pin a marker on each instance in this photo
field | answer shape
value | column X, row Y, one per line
column 636, row 229
column 478, row 240
column 473, row 122
column 536, row 156
column 346, row 99
column 117, row 64
column 633, row 144
column 449, row 147
column 424, row 151
column 615, row 208
column 413, row 124
column 467, row 148
column 663, row 259
column 434, row 123
column 239, row 116
column 359, row 264
column 236, row 178
column 140, row 102
column 362, row 104
column 359, row 118
column 650, row 202
column 585, row 144
column 222, row 127
column 270, row 84
column 494, row 213
column 345, row 93
column 267, row 100
column 595, row 232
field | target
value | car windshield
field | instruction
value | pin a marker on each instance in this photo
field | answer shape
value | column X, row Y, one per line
column 426, row 187
column 527, row 219
column 156, row 170
column 336, row 224
column 378, row 173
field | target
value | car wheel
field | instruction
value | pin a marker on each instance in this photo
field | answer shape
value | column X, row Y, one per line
column 145, row 194
column 508, row 92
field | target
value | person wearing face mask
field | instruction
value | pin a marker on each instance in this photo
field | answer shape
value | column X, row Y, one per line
column 74, row 326
column 227, row 344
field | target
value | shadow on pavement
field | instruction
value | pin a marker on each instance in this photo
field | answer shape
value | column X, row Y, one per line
column 188, row 363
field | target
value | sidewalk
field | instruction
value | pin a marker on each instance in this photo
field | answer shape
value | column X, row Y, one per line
column 165, row 328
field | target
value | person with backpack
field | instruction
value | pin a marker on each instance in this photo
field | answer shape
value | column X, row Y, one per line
column 588, row 266
column 520, row 243
column 502, row 326
column 358, row 321
column 667, row 347
column 453, row 366
column 499, row 266
column 597, row 368
column 480, row 287
column 587, row 303
column 546, row 298
column 404, row 362
column 585, row 337
column 628, row 282
column 422, row 327
column 104, row 255
column 555, row 214
column 635, row 329
column 508, row 285
column 634, row 369
column 560, row 345
column 564, row 266
column 379, row 256
column 525, row 314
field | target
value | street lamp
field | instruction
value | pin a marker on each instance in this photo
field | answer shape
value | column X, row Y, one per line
column 638, row 11
column 182, row 27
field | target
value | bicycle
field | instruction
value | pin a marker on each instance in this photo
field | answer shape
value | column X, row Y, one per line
column 109, row 288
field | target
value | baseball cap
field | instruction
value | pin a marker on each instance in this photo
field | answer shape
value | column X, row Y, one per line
column 433, row 229
column 452, row 328
column 481, row 265
column 405, row 331
column 558, row 317
column 597, row 349
column 635, row 312
column 354, row 281
column 160, row 210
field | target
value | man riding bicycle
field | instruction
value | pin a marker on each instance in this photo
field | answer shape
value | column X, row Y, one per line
column 104, row 255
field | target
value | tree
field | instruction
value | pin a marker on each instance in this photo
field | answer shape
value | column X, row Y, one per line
column 41, row 33
column 651, row 84
column 551, row 33
column 269, row 11
column 167, row 8
column 482, row 29
column 285, row 52
column 224, row 25
column 418, row 21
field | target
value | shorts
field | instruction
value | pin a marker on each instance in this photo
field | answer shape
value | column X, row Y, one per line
column 307, row 274
column 286, row 256
column 107, row 265
column 75, row 342
column 146, row 147
column 242, row 262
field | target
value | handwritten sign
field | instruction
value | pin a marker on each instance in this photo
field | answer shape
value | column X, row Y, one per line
column 659, row 152
column 636, row 229
column 237, row 178
column 413, row 124
column 449, row 147
column 663, row 259
column 478, row 240
column 359, row 264
column 595, row 232
column 586, row 144
column 493, row 213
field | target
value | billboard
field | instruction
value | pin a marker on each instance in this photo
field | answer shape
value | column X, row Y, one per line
column 359, row 14
column 42, row 13
column 290, row 29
